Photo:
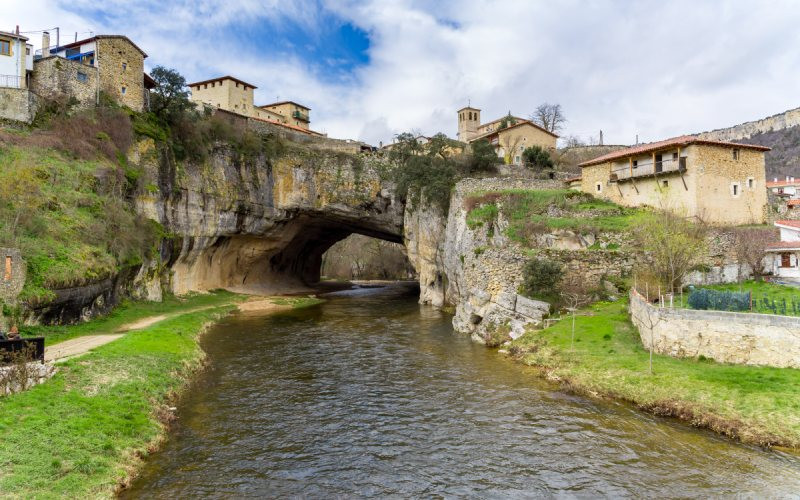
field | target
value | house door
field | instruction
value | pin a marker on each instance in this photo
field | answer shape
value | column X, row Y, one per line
column 786, row 260
column 659, row 164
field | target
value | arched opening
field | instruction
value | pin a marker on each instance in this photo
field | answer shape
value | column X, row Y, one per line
column 360, row 257
column 286, row 257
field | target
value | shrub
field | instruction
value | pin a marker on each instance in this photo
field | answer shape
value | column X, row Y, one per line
column 541, row 277
column 719, row 300
column 537, row 157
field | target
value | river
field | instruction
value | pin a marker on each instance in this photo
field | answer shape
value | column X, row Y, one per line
column 371, row 394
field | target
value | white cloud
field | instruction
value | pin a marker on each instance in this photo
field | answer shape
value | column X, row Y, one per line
column 651, row 68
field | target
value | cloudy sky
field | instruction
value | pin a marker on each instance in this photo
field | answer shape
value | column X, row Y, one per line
column 371, row 69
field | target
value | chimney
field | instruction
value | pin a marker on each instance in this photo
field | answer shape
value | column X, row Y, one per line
column 601, row 137
column 776, row 179
column 45, row 43
column 17, row 29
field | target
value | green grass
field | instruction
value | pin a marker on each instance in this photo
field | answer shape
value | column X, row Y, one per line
column 527, row 211
column 77, row 435
column 761, row 289
column 74, row 224
column 756, row 404
column 296, row 302
column 130, row 311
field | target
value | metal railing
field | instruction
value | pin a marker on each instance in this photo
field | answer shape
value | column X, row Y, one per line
column 648, row 169
column 299, row 115
column 12, row 81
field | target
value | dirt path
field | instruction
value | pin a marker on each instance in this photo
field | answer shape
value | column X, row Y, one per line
column 81, row 345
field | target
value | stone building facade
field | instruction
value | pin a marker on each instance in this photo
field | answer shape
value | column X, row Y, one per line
column 117, row 61
column 720, row 183
column 56, row 77
column 18, row 105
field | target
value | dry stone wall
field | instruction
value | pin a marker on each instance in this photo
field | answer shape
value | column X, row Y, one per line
column 18, row 105
column 55, row 77
column 726, row 337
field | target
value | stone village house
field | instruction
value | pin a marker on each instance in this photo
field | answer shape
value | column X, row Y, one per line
column 721, row 183
column 509, row 141
column 234, row 95
column 80, row 71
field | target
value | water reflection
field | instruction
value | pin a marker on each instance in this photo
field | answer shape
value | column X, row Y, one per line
column 371, row 394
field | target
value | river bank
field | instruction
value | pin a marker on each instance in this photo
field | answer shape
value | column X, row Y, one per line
column 752, row 404
column 85, row 431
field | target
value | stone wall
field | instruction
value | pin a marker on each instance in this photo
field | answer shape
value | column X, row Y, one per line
column 12, row 274
column 726, row 337
column 58, row 78
column 745, row 130
column 18, row 105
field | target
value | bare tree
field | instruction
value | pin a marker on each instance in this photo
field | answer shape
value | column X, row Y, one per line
column 574, row 300
column 750, row 246
column 674, row 245
column 549, row 117
column 510, row 147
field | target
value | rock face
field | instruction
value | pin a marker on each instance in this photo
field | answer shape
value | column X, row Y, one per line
column 257, row 224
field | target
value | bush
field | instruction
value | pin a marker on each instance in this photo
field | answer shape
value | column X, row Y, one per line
column 540, row 278
column 536, row 157
column 719, row 300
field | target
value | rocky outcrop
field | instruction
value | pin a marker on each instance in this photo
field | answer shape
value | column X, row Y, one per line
column 259, row 224
column 425, row 246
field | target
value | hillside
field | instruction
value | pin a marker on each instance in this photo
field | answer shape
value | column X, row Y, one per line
column 784, row 158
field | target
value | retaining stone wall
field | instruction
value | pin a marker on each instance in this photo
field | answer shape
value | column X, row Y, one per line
column 17, row 104
column 727, row 337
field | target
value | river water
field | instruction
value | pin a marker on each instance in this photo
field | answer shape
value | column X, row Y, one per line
column 371, row 394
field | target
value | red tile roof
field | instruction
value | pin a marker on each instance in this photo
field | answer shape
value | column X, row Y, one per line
column 518, row 124
column 788, row 223
column 793, row 202
column 573, row 179
column 298, row 129
column 684, row 140
column 219, row 78
column 284, row 102
column 86, row 40
column 771, row 184
column 783, row 245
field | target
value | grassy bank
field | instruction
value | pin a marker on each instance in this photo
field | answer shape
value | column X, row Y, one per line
column 754, row 404
column 81, row 433
column 131, row 311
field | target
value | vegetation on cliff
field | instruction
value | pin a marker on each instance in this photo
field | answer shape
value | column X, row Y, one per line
column 754, row 404
column 430, row 170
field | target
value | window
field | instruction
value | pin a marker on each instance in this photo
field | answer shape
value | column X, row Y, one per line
column 5, row 47
column 598, row 187
column 786, row 259
column 82, row 77
column 124, row 89
column 735, row 189
column 735, row 152
column 635, row 163
column 665, row 183
column 751, row 183
column 27, row 51
column 516, row 159
column 124, row 66
column 674, row 156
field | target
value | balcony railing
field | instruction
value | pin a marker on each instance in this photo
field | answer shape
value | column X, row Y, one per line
column 300, row 116
column 668, row 166
column 11, row 81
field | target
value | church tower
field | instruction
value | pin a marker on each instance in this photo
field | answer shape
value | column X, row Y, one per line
column 469, row 119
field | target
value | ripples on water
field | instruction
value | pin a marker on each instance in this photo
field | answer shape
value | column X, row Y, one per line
column 371, row 394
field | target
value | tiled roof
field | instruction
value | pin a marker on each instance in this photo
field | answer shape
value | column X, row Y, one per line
column 14, row 35
column 297, row 129
column 788, row 223
column 771, row 184
column 684, row 140
column 573, row 179
column 783, row 245
column 793, row 202
column 285, row 102
column 518, row 124
column 81, row 42
column 226, row 77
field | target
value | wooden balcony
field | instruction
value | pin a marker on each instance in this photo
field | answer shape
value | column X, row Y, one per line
column 653, row 169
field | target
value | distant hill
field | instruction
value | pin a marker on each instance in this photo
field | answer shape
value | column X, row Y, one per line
column 568, row 159
column 780, row 132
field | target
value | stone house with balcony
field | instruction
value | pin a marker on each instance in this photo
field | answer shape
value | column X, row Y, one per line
column 234, row 95
column 112, row 64
column 509, row 135
column 721, row 183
